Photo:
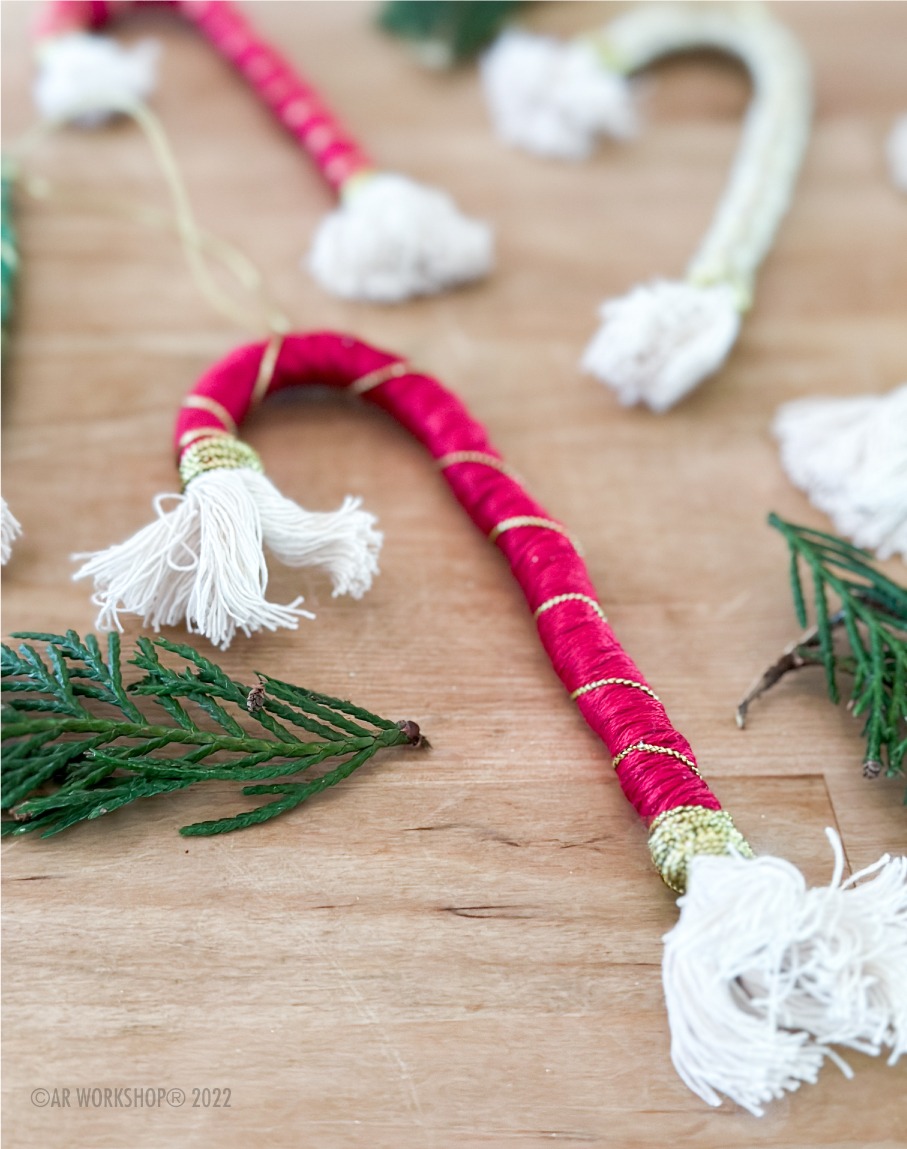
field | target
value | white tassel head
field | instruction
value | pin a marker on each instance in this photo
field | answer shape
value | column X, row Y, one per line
column 88, row 78
column 10, row 529
column 554, row 98
column 850, row 457
column 392, row 238
column 896, row 148
column 763, row 975
column 660, row 341
column 202, row 562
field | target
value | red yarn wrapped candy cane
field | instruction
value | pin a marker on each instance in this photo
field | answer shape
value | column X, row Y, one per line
column 389, row 239
column 761, row 974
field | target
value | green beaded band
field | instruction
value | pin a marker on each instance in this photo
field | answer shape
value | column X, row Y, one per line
column 677, row 835
column 219, row 452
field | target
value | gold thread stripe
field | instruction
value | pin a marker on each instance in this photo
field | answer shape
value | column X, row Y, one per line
column 475, row 457
column 613, row 682
column 572, row 597
column 615, row 762
column 199, row 433
column 266, row 369
column 530, row 521
column 218, row 410
column 379, row 375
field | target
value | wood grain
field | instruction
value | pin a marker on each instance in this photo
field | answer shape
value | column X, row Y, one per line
column 459, row 949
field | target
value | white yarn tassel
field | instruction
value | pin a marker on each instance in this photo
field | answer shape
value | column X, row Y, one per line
column 88, row 78
column 10, row 529
column 658, row 342
column 897, row 152
column 763, row 975
column 554, row 98
column 850, row 457
column 203, row 561
column 392, row 238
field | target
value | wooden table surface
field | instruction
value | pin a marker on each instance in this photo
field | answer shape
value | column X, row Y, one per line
column 459, row 948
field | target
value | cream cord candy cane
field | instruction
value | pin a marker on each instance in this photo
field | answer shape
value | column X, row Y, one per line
column 389, row 239
column 662, row 339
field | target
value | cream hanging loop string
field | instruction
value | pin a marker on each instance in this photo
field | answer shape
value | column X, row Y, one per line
column 197, row 244
column 662, row 339
column 390, row 238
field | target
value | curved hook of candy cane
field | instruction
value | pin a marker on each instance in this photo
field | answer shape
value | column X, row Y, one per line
column 390, row 238
column 761, row 973
column 662, row 339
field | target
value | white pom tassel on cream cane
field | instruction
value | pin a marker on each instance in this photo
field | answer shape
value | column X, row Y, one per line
column 10, row 529
column 392, row 238
column 850, row 457
column 202, row 562
column 554, row 98
column 896, row 147
column 79, row 71
column 660, row 341
column 763, row 976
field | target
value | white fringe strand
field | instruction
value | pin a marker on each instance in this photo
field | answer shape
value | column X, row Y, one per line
column 762, row 975
column 850, row 457
column 10, row 529
column 87, row 78
column 392, row 238
column 202, row 562
column 661, row 340
column 896, row 147
column 554, row 98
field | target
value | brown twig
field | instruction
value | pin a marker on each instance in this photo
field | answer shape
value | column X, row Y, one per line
column 804, row 651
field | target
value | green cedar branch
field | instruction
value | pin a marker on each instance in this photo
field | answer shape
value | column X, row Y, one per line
column 76, row 746
column 859, row 631
column 446, row 32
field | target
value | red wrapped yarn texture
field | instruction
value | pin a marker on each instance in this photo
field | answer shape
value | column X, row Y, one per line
column 290, row 97
column 654, row 762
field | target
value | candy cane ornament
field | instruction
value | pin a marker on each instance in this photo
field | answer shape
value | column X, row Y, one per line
column 662, row 339
column 389, row 239
column 761, row 974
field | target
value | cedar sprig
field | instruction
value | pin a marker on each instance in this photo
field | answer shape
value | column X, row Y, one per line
column 859, row 632
column 446, row 32
column 76, row 745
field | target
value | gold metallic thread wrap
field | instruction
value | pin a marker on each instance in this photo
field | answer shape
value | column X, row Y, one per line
column 220, row 452
column 676, row 836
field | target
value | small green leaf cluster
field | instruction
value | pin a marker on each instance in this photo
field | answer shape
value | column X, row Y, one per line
column 76, row 745
column 447, row 31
